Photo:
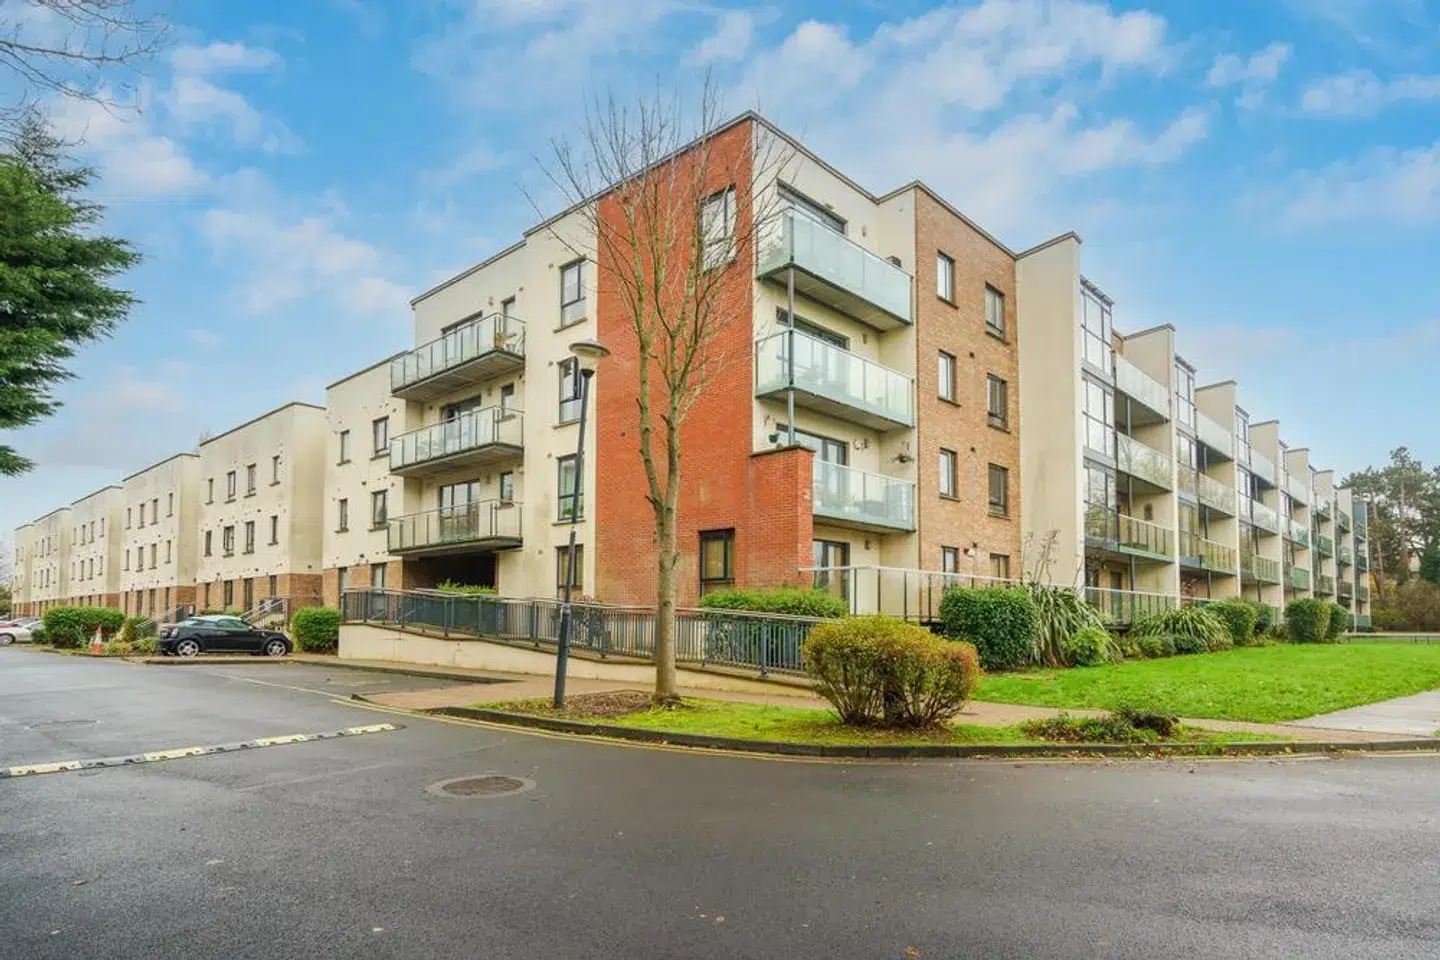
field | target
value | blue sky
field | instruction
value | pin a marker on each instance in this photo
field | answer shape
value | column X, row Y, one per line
column 1263, row 173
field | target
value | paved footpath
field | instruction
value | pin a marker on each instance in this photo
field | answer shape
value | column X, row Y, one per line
column 1417, row 715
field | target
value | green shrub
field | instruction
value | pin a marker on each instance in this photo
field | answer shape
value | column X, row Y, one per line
column 1189, row 629
column 128, row 630
column 1004, row 624
column 1264, row 618
column 1155, row 645
column 1064, row 728
column 1240, row 617
column 1161, row 724
column 450, row 586
column 147, row 646
column 1063, row 614
column 1307, row 620
column 1090, row 647
column 1339, row 620
column 791, row 601
column 877, row 669
column 119, row 648
column 316, row 629
column 1129, row 646
column 73, row 627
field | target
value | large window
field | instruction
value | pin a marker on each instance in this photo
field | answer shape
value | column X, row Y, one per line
column 562, row 556
column 1000, row 566
column 827, row 449
column 811, row 209
column 568, row 493
column 153, row 554
column 717, row 228
column 1099, row 419
column 999, row 491
column 997, row 402
column 142, row 514
column 994, row 312
column 830, row 559
column 569, row 389
column 227, row 591
column 249, row 536
column 945, row 277
column 380, row 435
column 572, row 293
column 717, row 560
column 378, row 508
column 949, row 474
column 1185, row 394
column 946, row 389
column 1095, row 323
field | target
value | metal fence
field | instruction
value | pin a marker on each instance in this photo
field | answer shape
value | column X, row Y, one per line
column 768, row 643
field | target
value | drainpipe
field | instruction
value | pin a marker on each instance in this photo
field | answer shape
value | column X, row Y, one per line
column 790, row 355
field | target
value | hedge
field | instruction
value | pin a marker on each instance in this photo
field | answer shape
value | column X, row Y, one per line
column 1240, row 616
column 316, row 629
column 1307, row 620
column 785, row 600
column 1004, row 624
column 75, row 626
column 1339, row 620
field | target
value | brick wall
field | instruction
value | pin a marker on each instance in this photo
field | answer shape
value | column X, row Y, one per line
column 959, row 329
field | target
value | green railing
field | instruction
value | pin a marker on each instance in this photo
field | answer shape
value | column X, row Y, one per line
column 1344, row 555
column 1324, row 545
column 1297, row 532
column 1207, row 553
column 1325, row 584
column 1259, row 568
column 1297, row 577
column 1362, row 562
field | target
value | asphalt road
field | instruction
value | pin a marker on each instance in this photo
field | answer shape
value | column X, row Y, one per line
column 335, row 849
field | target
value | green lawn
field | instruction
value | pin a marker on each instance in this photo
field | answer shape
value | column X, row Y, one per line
column 1258, row 684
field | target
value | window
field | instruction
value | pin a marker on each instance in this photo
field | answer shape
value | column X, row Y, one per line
column 994, row 312
column 831, row 558
column 1000, row 566
column 1185, row 395
column 342, row 579
column 274, row 530
column 227, row 591
column 945, row 277
column 717, row 560
column 569, row 389
column 343, row 523
column 562, row 556
column 946, row 379
column 142, row 514
column 949, row 479
column 568, row 484
column 377, row 576
column 344, row 446
column 507, row 486
column 169, row 506
column 209, row 492
column 275, row 469
column 152, row 555
column 507, row 307
column 127, row 518
column 717, row 229
column 230, row 486
column 167, row 551
column 949, row 559
column 811, row 209
column 250, row 480
column 377, row 508
column 154, row 511
column 999, row 491
column 208, row 541
column 227, row 541
column 997, row 402
column 249, row 536
column 572, row 293
column 1099, row 418
column 1095, row 323
column 380, row 435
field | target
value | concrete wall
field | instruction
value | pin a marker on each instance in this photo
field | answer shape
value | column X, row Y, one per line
column 95, row 544
column 173, row 485
column 354, row 404
column 50, row 570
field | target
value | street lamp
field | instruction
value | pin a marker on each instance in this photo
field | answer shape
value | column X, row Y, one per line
column 588, row 354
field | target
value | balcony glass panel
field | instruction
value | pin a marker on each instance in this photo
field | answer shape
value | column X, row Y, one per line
column 1345, row 589
column 1264, row 517
column 1144, row 388
column 841, row 493
column 1260, row 568
column 1127, row 606
column 453, row 526
column 1324, row 583
column 1262, row 467
column 1345, row 555
column 470, row 341
column 1342, row 520
column 465, row 433
column 832, row 258
column 1362, row 592
column 1143, row 461
column 1185, row 479
column 1212, row 555
column 1298, row 489
column 1297, row 532
column 1129, row 533
column 1297, row 578
column 1362, row 562
column 828, row 371
column 1214, row 436
column 1215, row 494
column 1325, row 545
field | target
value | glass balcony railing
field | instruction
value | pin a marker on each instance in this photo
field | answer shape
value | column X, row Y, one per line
column 1297, row 578
column 1324, row 508
column 837, row 271
column 1143, row 461
column 1129, row 534
column 486, row 429
column 1142, row 387
column 1344, row 555
column 1298, row 489
column 479, row 348
column 1206, row 553
column 1215, row 494
column 1362, row 592
column 1363, row 621
column 863, row 499
column 1342, row 520
column 1265, row 518
column 1324, row 545
column 1214, row 436
column 1185, row 479
column 1255, row 567
column 494, row 523
column 1362, row 562
column 1325, row 584
column 1344, row 589
column 1262, row 467
column 1297, row 532
column 1127, row 606
column 833, row 380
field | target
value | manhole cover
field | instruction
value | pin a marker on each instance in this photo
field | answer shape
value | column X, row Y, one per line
column 490, row 785
column 48, row 724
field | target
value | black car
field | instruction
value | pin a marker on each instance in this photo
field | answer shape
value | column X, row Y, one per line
column 215, row 634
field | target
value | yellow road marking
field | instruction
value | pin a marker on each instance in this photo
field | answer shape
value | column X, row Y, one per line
column 289, row 738
column 175, row 754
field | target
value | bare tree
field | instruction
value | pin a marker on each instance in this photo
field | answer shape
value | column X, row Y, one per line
column 675, row 207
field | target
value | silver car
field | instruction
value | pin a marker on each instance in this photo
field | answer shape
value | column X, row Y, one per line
column 17, row 631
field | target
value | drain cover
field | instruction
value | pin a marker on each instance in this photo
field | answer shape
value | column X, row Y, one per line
column 490, row 785
column 48, row 724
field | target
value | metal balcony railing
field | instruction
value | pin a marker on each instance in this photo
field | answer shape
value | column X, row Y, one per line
column 1324, row 545
column 1127, row 606
column 833, row 380
column 862, row 499
column 481, row 347
column 1297, row 577
column 494, row 523
column 1129, row 534
column 1206, row 553
column 1255, row 567
column 1325, row 584
column 1297, row 532
column 450, row 440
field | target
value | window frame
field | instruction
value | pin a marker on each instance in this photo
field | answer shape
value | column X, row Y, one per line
column 949, row 559
column 1000, row 566
column 945, row 277
column 569, row 373
column 562, row 553
column 573, row 311
column 209, row 544
column 379, row 519
column 947, row 372
column 250, row 470
column 274, row 529
column 726, row 578
column 344, row 447
column 950, row 477
column 230, row 486
column 380, row 436
column 342, row 518
column 1000, row 420
column 718, row 251
column 1001, row 507
column 249, row 536
column 1002, row 330
column 274, row 469
column 576, row 498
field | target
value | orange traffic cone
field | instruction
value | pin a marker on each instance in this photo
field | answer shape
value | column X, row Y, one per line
column 97, row 642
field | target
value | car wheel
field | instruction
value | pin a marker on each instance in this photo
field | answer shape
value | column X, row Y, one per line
column 6, row 639
column 275, row 648
column 187, row 648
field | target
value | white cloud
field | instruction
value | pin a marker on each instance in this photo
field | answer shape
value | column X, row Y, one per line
column 134, row 162
column 1361, row 93
column 1385, row 185
column 198, row 103
column 221, row 57
column 204, row 338
column 730, row 41
column 481, row 158
column 1262, row 66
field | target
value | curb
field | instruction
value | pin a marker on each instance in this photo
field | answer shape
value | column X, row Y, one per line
column 931, row 751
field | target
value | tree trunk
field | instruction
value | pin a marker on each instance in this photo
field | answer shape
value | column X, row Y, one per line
column 666, row 690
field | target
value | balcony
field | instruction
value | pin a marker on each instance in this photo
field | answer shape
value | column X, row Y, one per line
column 833, row 381
column 1150, row 394
column 1196, row 551
column 1298, row 489
column 1264, row 518
column 1127, row 606
column 837, row 272
column 1220, row 441
column 1362, row 562
column 1142, row 461
column 1344, row 556
column 1215, row 494
column 475, row 351
column 1342, row 520
column 1106, row 529
column 1263, row 468
column 1258, row 569
column 1324, row 508
column 1325, row 584
column 865, row 501
column 1324, row 545
column 473, row 439
column 1362, row 592
column 1296, row 578
column 1363, row 621
column 1345, row 589
column 1296, row 532
column 470, row 528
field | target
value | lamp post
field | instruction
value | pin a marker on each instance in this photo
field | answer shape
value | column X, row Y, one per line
column 588, row 354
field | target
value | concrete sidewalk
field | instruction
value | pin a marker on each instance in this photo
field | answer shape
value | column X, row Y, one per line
column 1417, row 715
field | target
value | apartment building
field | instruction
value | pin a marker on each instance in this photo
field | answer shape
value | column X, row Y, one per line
column 21, row 561
column 95, row 543
column 1149, row 487
column 49, row 540
column 259, row 518
column 161, row 531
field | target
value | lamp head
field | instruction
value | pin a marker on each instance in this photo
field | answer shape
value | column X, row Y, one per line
column 589, row 353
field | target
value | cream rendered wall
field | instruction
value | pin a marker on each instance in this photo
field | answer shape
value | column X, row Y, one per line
column 354, row 404
column 530, row 272
column 1297, row 462
column 1153, row 352
column 176, row 479
column 51, row 569
column 96, row 539
column 296, row 432
column 21, row 587
column 1345, row 502
column 1324, row 489
column 1217, row 401
column 1265, row 440
column 1051, row 400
